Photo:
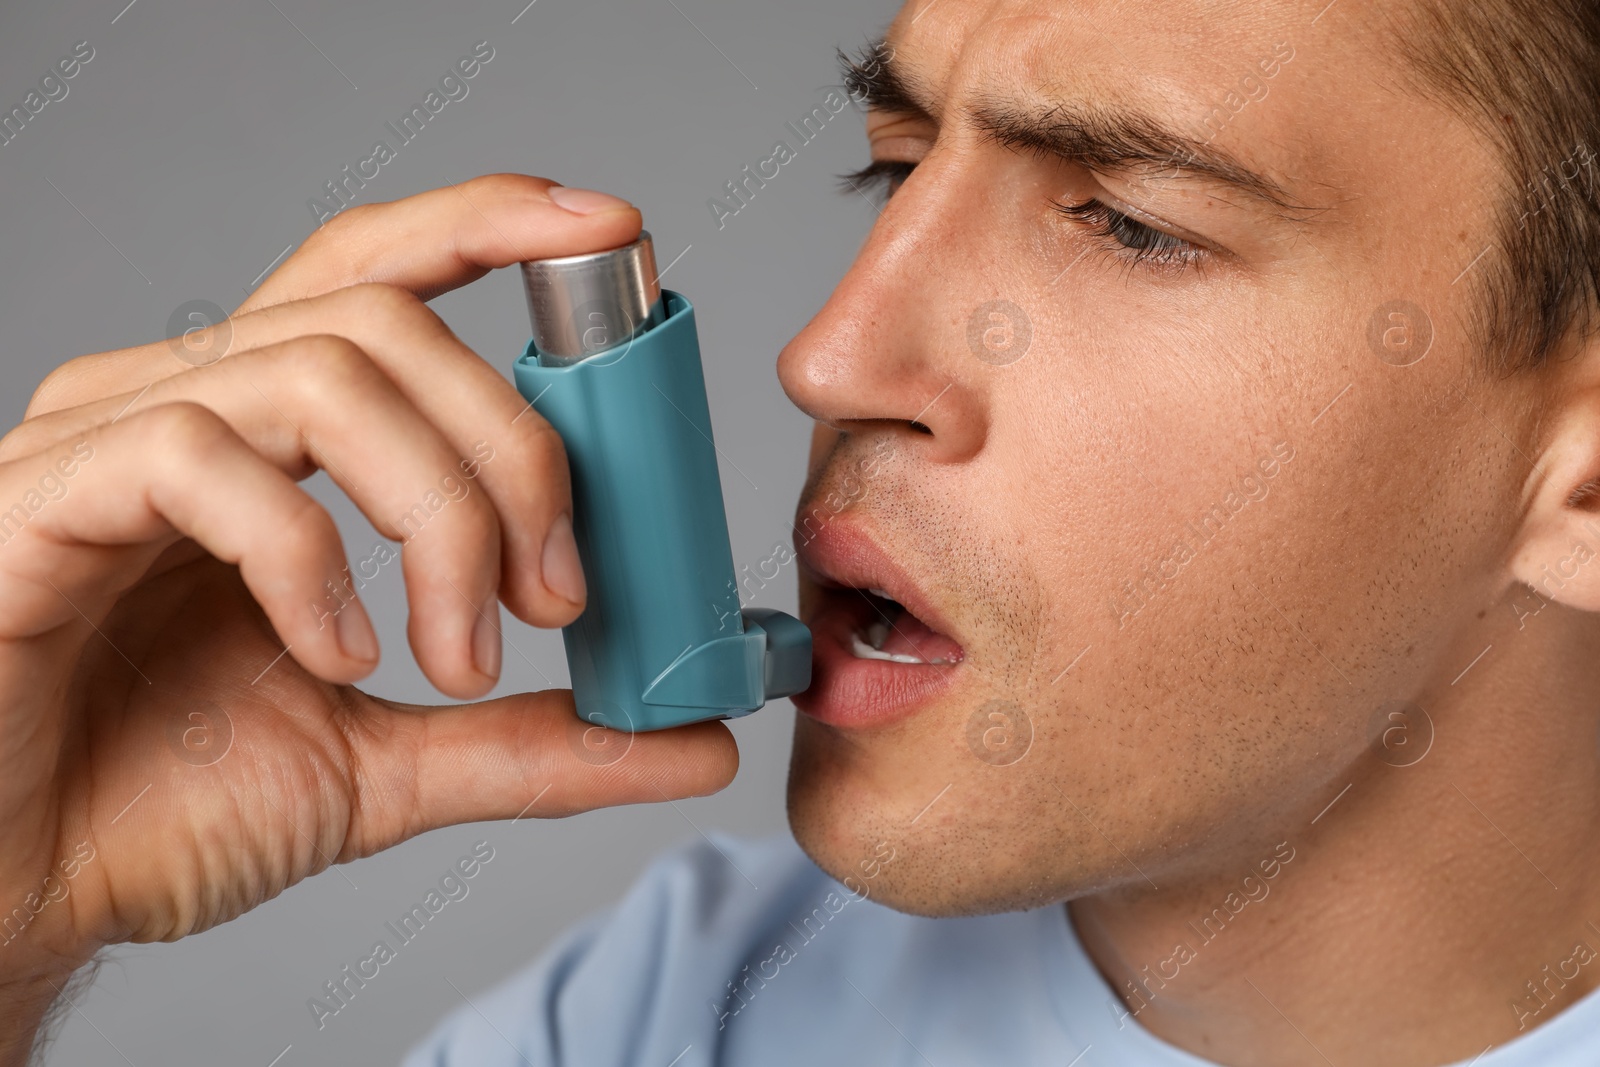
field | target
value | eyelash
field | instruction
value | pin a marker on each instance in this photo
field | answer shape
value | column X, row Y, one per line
column 880, row 178
column 1145, row 243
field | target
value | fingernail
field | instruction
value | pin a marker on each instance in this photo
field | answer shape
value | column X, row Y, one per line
column 585, row 201
column 486, row 639
column 563, row 573
column 354, row 629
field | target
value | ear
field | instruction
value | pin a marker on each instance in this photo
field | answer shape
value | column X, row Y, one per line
column 1557, row 548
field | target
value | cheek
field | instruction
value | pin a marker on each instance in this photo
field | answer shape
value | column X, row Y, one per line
column 1233, row 642
column 1136, row 593
column 1195, row 658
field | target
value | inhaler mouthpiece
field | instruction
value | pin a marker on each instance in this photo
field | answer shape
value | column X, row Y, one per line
column 584, row 305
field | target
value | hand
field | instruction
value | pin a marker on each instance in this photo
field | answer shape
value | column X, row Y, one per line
column 179, row 737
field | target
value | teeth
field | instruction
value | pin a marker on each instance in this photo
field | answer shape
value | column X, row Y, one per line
column 868, row 643
column 872, row 648
column 866, row 651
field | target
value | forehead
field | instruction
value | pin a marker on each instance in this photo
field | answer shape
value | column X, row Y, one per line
column 1048, row 41
column 1309, row 94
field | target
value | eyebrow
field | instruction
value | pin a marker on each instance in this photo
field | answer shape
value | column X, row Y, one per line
column 1095, row 137
column 873, row 75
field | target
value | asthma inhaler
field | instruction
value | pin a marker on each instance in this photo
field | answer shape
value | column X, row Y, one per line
column 614, row 366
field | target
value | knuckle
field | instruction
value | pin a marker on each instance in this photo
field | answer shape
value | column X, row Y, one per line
column 322, row 361
column 385, row 807
column 387, row 305
column 453, row 494
column 510, row 186
column 55, row 391
column 21, row 441
column 536, row 444
column 355, row 217
column 336, row 237
column 177, row 432
column 307, row 531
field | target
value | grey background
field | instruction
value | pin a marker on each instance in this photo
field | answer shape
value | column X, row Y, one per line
column 182, row 160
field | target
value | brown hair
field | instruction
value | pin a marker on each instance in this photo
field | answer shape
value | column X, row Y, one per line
column 1527, row 73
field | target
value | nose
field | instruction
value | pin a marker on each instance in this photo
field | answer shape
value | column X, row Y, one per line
column 889, row 350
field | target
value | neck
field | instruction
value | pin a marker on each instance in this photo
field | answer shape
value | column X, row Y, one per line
column 1431, row 910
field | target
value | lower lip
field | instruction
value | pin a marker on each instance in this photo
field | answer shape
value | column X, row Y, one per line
column 854, row 693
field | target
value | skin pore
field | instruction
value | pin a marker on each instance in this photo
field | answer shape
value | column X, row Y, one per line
column 1204, row 398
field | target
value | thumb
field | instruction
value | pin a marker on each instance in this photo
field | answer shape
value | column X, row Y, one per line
column 416, row 768
column 442, row 239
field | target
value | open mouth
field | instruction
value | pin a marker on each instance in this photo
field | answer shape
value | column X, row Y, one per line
column 895, row 635
column 881, row 650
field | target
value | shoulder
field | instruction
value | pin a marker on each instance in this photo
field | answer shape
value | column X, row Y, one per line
column 611, row 981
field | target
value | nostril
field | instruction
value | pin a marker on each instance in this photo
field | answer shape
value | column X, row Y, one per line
column 920, row 427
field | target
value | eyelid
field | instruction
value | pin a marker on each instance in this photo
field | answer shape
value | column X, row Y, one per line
column 1102, row 221
column 880, row 174
column 882, row 124
column 1155, row 222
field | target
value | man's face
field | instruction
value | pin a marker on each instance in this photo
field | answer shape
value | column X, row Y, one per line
column 1177, row 494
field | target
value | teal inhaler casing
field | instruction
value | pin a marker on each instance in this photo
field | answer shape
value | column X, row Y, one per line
column 614, row 366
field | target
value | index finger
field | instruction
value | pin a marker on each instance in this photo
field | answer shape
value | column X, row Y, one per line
column 442, row 239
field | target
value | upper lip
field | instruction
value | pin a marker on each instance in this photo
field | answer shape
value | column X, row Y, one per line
column 842, row 556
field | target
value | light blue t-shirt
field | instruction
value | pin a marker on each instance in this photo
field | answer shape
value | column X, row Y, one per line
column 731, row 952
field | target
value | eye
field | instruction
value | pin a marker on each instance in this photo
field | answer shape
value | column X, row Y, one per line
column 1144, row 242
column 878, row 180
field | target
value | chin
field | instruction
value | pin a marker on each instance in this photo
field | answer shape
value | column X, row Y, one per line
column 900, row 785
column 860, row 809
